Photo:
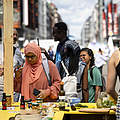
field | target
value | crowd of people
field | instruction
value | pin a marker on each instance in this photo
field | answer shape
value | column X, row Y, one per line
column 79, row 62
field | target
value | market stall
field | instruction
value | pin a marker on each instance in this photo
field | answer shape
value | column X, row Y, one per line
column 89, row 113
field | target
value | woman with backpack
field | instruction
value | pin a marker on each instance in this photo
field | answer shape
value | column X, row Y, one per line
column 94, row 83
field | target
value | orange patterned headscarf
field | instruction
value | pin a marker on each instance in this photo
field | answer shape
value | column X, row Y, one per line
column 30, row 72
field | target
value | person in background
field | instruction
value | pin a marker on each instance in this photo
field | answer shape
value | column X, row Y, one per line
column 82, row 82
column 18, row 61
column 46, row 54
column 68, row 51
column 100, row 59
column 51, row 53
column 33, row 76
column 113, row 72
column 1, row 71
column 94, row 85
column 17, row 55
column 65, row 51
column 1, row 60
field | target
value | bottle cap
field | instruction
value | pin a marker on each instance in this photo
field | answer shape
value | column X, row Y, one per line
column 35, row 104
column 8, row 95
column 4, row 94
column 29, row 102
column 39, row 99
column 61, row 83
column 22, row 97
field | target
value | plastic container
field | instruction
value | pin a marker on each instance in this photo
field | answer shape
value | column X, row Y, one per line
column 35, row 106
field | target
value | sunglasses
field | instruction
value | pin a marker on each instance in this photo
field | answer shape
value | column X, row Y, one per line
column 30, row 56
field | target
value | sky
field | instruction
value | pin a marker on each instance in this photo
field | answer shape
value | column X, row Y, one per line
column 74, row 13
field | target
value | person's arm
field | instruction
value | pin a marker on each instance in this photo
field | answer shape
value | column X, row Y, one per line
column 85, row 85
column 17, row 80
column 56, row 79
column 104, row 58
column 97, row 81
column 53, row 90
column 111, row 78
column 97, row 90
column 1, row 71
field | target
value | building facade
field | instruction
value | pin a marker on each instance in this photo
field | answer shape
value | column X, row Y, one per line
column 32, row 18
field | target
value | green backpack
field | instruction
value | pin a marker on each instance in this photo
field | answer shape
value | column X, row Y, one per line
column 103, row 87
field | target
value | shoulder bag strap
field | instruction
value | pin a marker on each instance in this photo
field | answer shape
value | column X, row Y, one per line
column 46, row 68
column 65, row 68
column 91, row 72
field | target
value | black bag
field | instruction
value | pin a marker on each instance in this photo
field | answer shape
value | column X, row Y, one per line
column 103, row 87
column 70, row 56
column 79, row 75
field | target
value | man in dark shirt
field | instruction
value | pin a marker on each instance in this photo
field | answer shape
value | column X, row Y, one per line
column 67, row 50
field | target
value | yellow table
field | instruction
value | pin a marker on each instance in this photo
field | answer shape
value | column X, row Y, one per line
column 6, row 114
column 75, row 115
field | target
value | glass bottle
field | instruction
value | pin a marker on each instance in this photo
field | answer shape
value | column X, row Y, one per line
column 61, row 97
column 39, row 101
column 29, row 105
column 22, row 103
column 35, row 106
column 4, row 106
column 99, row 100
column 8, row 100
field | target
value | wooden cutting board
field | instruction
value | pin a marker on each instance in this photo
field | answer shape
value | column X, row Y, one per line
column 95, row 110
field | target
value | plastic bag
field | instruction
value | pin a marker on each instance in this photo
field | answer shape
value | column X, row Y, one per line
column 70, row 86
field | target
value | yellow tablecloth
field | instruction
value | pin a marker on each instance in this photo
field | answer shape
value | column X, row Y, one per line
column 6, row 114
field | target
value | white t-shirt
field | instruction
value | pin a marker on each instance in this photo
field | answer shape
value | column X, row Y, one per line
column 100, row 60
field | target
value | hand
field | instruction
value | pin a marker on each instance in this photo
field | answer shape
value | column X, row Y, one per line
column 43, row 50
column 18, row 72
column 42, row 94
column 1, row 71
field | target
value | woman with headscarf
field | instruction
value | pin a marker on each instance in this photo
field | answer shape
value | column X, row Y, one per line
column 33, row 76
